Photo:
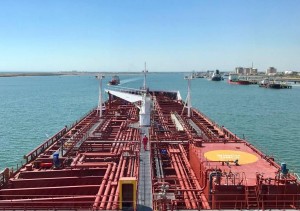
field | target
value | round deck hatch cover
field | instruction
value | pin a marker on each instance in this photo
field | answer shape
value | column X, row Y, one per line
column 230, row 156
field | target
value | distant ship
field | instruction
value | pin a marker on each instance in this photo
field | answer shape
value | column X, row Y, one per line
column 235, row 79
column 115, row 80
column 216, row 76
column 266, row 83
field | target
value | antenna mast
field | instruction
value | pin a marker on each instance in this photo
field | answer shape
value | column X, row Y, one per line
column 100, row 77
column 188, row 102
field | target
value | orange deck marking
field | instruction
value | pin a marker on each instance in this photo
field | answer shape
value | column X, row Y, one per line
column 231, row 155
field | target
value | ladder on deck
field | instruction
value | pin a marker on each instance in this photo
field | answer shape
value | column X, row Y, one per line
column 251, row 197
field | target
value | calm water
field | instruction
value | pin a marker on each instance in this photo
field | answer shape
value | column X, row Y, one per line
column 32, row 108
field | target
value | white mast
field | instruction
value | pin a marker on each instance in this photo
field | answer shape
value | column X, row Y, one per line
column 145, row 109
column 145, row 72
column 100, row 77
column 188, row 103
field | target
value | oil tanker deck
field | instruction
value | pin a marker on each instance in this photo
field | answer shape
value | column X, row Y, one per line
column 190, row 162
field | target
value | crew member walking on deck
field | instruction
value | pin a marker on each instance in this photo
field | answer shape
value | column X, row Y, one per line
column 145, row 141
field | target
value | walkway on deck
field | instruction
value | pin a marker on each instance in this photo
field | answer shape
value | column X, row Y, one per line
column 145, row 180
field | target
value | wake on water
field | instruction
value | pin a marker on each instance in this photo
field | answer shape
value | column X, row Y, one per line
column 126, row 81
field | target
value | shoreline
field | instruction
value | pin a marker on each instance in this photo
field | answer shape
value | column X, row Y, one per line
column 75, row 73
column 23, row 74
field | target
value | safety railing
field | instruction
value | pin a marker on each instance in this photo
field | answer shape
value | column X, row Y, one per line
column 81, row 118
column 173, row 201
column 41, row 148
column 61, row 202
column 4, row 176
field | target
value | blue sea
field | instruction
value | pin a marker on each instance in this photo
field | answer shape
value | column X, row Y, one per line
column 34, row 108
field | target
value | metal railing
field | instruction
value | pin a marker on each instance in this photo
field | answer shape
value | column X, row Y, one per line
column 176, row 202
column 41, row 148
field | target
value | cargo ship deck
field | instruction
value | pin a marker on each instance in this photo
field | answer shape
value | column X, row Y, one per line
column 191, row 163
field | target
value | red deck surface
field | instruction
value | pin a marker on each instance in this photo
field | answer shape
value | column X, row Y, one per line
column 250, row 169
column 94, row 153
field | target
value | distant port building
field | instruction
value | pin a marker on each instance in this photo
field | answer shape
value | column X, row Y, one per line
column 271, row 71
column 245, row 70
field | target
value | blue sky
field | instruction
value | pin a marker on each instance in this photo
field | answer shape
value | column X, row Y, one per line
column 171, row 35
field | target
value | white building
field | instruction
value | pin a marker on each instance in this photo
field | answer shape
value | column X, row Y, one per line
column 245, row 71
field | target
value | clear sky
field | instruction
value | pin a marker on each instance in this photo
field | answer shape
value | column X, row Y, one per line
column 171, row 35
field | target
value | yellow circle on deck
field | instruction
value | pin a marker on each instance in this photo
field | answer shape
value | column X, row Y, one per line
column 231, row 156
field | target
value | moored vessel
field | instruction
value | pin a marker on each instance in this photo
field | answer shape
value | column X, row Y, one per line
column 266, row 83
column 216, row 76
column 235, row 78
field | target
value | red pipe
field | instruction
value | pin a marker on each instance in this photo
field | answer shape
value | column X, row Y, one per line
column 191, row 197
column 115, row 204
column 129, row 168
column 187, row 202
column 194, row 179
column 98, row 196
column 98, row 154
column 108, row 186
column 117, row 177
column 117, row 145
column 82, row 158
column 75, row 160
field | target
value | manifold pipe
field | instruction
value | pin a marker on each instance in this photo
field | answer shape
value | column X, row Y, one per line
column 118, row 138
column 187, row 202
column 187, row 163
column 120, row 148
column 158, row 170
column 191, row 197
column 205, row 203
column 160, row 166
column 187, row 182
column 136, row 166
column 115, row 204
column 128, row 135
column 89, row 165
column 108, row 186
column 99, row 154
column 108, row 207
column 98, row 196
column 129, row 169
column 136, row 137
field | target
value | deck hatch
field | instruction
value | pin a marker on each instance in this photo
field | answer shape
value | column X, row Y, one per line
column 231, row 156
